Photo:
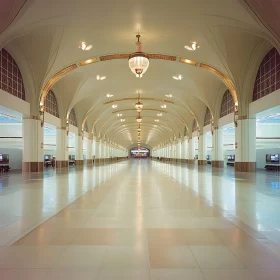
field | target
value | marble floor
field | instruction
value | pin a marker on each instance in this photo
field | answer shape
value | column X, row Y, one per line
column 140, row 219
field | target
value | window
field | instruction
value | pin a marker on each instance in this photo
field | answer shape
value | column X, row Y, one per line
column 227, row 106
column 10, row 76
column 51, row 104
column 268, row 77
column 195, row 126
column 208, row 117
column 72, row 118
column 86, row 126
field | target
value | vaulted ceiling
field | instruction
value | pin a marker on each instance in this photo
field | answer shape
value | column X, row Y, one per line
column 44, row 37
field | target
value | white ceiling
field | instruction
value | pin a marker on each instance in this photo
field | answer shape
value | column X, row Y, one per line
column 45, row 36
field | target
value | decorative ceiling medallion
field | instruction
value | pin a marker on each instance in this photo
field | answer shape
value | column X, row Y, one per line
column 138, row 61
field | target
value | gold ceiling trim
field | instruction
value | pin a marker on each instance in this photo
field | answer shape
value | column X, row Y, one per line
column 125, row 110
column 126, row 56
column 222, row 76
column 136, row 98
column 188, row 61
column 88, row 61
column 54, row 79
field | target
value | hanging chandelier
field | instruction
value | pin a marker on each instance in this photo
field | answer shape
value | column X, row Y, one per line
column 139, row 119
column 139, row 128
column 138, row 61
column 138, row 105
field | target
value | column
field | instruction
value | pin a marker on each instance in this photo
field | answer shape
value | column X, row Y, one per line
column 217, row 146
column 89, row 152
column 179, row 150
column 33, row 146
column 190, row 151
column 97, row 152
column 79, row 150
column 245, row 145
column 61, row 148
column 101, row 154
column 201, row 150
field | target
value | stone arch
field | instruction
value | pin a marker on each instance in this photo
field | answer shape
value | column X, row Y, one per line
column 195, row 126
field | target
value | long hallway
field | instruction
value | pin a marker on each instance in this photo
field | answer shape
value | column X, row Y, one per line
column 139, row 219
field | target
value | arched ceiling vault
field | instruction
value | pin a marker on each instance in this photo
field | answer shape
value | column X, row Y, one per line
column 47, row 35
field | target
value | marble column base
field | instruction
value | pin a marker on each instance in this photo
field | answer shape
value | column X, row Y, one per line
column 202, row 162
column 61, row 163
column 245, row 167
column 89, row 162
column 79, row 162
column 217, row 163
column 33, row 166
column 191, row 161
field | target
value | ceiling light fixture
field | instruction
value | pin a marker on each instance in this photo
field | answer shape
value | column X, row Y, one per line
column 85, row 47
column 163, row 106
column 114, row 106
column 109, row 95
column 100, row 78
column 139, row 119
column 138, row 105
column 193, row 47
column 159, row 115
column 139, row 129
column 122, row 120
column 138, row 61
column 119, row 115
column 178, row 78
column 156, row 120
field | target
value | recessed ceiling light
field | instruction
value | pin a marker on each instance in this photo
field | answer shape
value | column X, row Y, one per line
column 168, row 95
column 100, row 78
column 156, row 120
column 159, row 115
column 163, row 106
column 179, row 78
column 85, row 47
column 109, row 95
column 119, row 115
column 114, row 106
column 122, row 120
column 194, row 46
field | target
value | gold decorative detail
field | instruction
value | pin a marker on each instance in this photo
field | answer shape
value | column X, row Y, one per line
column 88, row 61
column 162, row 56
column 125, row 110
column 187, row 61
column 132, row 98
column 224, row 78
column 54, row 79
column 114, row 56
column 126, row 56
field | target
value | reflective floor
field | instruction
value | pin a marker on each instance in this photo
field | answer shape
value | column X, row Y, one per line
column 140, row 219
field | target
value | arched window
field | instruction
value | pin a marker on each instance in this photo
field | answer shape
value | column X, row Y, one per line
column 227, row 106
column 86, row 126
column 268, row 77
column 207, row 117
column 195, row 126
column 10, row 76
column 51, row 104
column 72, row 118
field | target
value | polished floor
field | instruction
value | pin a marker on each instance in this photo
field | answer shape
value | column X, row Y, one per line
column 140, row 219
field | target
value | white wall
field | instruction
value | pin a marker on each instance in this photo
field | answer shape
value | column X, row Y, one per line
column 15, row 157
column 261, row 156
